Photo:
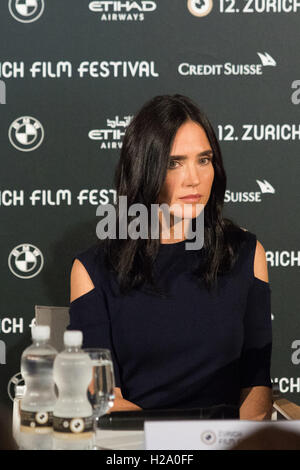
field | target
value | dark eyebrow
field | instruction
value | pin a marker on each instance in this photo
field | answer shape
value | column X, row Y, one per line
column 184, row 157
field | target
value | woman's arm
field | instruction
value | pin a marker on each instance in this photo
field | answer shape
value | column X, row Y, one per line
column 256, row 402
column 80, row 284
column 120, row 404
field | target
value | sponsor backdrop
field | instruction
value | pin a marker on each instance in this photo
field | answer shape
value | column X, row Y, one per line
column 72, row 75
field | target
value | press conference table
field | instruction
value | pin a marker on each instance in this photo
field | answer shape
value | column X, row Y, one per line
column 129, row 425
column 283, row 411
column 120, row 440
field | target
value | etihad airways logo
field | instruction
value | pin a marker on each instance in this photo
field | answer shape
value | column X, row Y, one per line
column 228, row 68
column 252, row 196
column 111, row 135
column 122, row 10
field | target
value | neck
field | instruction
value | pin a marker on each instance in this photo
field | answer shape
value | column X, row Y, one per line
column 173, row 232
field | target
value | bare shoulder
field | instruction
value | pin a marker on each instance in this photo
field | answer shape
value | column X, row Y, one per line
column 260, row 263
column 260, row 267
column 80, row 282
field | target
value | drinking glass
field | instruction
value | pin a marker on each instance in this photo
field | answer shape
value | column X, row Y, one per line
column 101, row 389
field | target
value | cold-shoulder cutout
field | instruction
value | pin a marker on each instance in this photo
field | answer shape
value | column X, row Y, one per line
column 89, row 314
column 80, row 279
column 90, row 260
column 260, row 266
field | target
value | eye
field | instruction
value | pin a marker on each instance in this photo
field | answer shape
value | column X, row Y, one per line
column 170, row 165
column 203, row 161
column 206, row 158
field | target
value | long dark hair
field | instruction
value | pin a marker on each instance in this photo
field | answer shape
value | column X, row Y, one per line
column 140, row 174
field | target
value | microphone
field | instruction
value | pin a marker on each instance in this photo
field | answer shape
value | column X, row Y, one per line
column 134, row 420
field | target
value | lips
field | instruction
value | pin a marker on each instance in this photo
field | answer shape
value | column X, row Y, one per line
column 191, row 197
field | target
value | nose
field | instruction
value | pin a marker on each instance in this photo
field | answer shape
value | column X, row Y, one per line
column 191, row 177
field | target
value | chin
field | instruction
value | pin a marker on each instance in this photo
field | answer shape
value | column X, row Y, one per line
column 187, row 211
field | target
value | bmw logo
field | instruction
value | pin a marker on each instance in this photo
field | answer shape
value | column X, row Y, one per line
column 26, row 11
column 26, row 133
column 25, row 261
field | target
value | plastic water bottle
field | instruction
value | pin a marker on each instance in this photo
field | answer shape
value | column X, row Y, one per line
column 38, row 402
column 19, row 394
column 73, row 413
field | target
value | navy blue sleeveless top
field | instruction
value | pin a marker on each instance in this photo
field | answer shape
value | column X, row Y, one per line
column 194, row 348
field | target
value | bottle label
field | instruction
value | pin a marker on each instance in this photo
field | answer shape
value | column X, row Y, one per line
column 36, row 419
column 73, row 426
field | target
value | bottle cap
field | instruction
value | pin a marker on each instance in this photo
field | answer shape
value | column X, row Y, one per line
column 40, row 332
column 73, row 338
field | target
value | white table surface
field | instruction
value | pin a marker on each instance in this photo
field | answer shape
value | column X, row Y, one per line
column 120, row 440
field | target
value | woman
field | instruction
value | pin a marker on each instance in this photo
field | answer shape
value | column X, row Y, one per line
column 186, row 327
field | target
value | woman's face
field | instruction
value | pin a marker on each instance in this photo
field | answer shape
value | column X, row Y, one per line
column 190, row 170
